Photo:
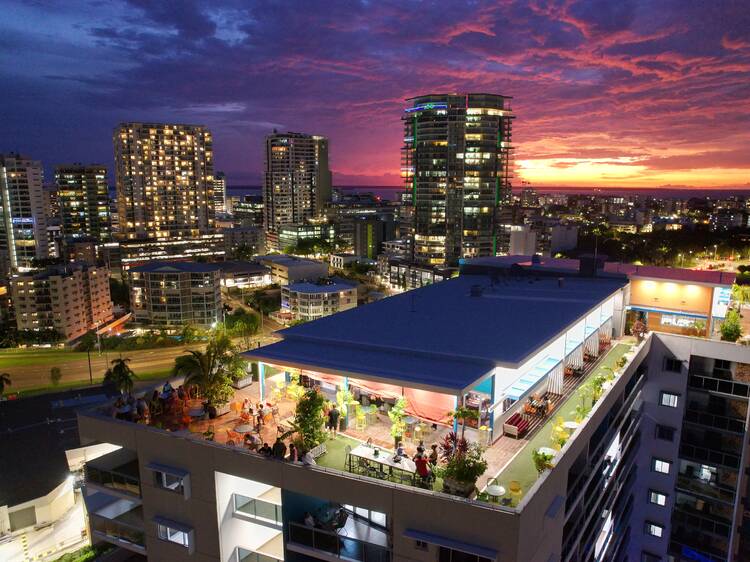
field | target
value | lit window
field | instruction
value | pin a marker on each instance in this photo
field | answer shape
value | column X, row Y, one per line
column 668, row 399
column 654, row 530
column 177, row 533
column 172, row 479
column 657, row 498
column 661, row 466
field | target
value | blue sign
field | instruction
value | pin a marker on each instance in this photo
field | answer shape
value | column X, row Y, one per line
column 426, row 106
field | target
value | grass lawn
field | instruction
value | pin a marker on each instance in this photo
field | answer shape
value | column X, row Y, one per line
column 335, row 456
column 23, row 357
column 69, row 385
column 522, row 468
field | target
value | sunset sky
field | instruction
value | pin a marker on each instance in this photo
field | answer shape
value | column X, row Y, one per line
column 606, row 93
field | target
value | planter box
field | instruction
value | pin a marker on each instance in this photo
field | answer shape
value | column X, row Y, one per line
column 244, row 382
column 319, row 451
column 463, row 489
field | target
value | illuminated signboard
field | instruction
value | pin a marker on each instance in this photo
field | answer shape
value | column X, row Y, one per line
column 426, row 107
column 722, row 296
column 22, row 220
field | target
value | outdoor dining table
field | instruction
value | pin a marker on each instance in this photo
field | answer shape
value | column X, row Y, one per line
column 572, row 425
column 495, row 491
column 383, row 458
column 244, row 428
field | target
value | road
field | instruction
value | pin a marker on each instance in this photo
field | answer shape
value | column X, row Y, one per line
column 30, row 368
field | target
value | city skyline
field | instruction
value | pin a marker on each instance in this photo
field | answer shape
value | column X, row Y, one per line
column 625, row 95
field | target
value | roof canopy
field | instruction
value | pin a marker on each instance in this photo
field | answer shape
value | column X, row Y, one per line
column 445, row 336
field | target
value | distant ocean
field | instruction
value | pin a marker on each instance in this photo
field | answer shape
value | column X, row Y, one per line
column 392, row 192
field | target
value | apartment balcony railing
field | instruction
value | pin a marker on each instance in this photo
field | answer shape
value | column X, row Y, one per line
column 258, row 509
column 250, row 556
column 337, row 545
column 715, row 420
column 690, row 517
column 702, row 454
column 712, row 490
column 113, row 480
column 117, row 531
column 711, row 384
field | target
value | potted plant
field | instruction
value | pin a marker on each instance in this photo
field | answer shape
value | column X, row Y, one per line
column 397, row 415
column 580, row 412
column 542, row 461
column 308, row 425
column 464, row 464
column 462, row 414
column 344, row 399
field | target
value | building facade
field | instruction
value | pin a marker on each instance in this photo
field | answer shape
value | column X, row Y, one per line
column 165, row 176
column 70, row 299
column 83, row 199
column 173, row 294
column 297, row 180
column 290, row 269
column 220, row 193
column 244, row 239
column 310, row 301
column 651, row 465
column 23, row 223
column 456, row 164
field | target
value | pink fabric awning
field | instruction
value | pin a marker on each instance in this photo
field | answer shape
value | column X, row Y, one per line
column 428, row 405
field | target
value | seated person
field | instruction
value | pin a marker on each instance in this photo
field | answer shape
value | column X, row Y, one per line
column 400, row 451
column 251, row 441
column 265, row 450
column 167, row 388
column 310, row 520
column 307, row 459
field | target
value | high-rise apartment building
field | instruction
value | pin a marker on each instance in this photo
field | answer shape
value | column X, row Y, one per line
column 297, row 181
column 23, row 222
column 597, row 445
column 165, row 177
column 83, row 196
column 173, row 294
column 220, row 193
column 70, row 299
column 456, row 164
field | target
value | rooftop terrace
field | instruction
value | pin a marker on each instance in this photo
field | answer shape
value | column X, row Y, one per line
column 510, row 463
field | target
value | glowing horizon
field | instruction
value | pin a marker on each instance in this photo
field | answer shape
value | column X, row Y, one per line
column 625, row 94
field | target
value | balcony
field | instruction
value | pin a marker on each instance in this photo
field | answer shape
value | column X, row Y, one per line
column 115, row 520
column 332, row 544
column 116, row 472
column 118, row 533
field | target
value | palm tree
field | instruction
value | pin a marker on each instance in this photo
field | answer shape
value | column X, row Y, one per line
column 213, row 370
column 4, row 381
column 462, row 414
column 120, row 376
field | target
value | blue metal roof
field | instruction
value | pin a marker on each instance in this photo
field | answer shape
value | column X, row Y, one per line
column 445, row 335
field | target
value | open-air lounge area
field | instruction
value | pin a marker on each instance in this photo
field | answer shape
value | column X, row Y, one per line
column 474, row 428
